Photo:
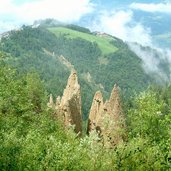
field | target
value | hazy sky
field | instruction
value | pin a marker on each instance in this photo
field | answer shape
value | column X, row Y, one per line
column 118, row 18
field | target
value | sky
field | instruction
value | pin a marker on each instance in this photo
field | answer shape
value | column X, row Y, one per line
column 130, row 20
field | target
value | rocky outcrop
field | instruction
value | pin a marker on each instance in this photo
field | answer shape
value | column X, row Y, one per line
column 68, row 107
column 71, row 103
column 97, row 105
column 58, row 102
column 107, row 118
column 50, row 103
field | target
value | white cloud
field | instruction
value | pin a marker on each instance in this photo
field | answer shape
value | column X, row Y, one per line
column 65, row 10
column 152, row 7
column 7, row 26
column 62, row 10
column 6, row 7
column 152, row 60
column 122, row 25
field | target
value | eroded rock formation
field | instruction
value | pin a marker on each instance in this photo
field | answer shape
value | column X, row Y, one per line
column 107, row 118
column 50, row 103
column 71, row 103
column 68, row 107
column 58, row 102
column 97, row 105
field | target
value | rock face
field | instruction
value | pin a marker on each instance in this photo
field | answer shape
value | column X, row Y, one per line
column 107, row 118
column 58, row 102
column 50, row 103
column 69, row 106
column 97, row 105
column 71, row 103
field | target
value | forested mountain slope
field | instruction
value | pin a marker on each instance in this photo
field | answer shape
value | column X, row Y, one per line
column 100, row 59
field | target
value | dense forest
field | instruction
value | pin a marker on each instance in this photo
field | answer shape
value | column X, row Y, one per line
column 31, row 138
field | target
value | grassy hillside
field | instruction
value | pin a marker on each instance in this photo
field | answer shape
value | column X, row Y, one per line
column 103, row 42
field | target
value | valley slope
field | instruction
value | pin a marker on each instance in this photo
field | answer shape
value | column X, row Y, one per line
column 100, row 60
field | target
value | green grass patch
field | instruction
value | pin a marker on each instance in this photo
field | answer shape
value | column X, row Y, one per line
column 103, row 42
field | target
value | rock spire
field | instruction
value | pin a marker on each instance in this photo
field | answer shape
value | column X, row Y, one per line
column 50, row 103
column 97, row 105
column 71, row 103
column 68, row 107
column 107, row 118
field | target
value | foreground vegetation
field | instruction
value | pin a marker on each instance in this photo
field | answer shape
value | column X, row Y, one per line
column 32, row 139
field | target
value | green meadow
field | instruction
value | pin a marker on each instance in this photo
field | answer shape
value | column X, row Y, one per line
column 103, row 42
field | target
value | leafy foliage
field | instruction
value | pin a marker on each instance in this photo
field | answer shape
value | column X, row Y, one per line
column 32, row 139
